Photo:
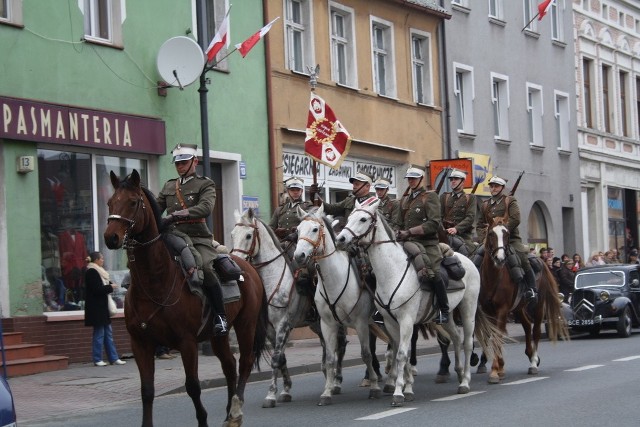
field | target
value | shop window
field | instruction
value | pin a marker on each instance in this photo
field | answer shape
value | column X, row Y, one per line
column 615, row 204
column 74, row 189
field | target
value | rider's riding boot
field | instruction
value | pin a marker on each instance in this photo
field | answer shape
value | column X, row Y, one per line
column 531, row 294
column 213, row 291
column 378, row 319
column 443, row 301
column 312, row 315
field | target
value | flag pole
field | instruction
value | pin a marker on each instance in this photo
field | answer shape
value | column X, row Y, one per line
column 529, row 23
column 313, row 82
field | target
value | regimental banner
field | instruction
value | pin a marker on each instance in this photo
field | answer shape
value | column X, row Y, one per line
column 482, row 168
column 327, row 140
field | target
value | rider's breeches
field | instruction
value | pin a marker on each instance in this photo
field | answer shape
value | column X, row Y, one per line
column 211, row 285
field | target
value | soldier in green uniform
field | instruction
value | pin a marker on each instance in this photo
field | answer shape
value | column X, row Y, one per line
column 361, row 186
column 418, row 219
column 458, row 214
column 500, row 205
column 189, row 200
column 387, row 205
column 285, row 218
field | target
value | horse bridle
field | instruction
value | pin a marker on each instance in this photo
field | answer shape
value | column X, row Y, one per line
column 255, row 242
column 128, row 242
column 374, row 219
column 316, row 244
column 506, row 248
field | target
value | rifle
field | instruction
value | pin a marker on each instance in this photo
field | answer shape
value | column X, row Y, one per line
column 515, row 186
column 444, row 177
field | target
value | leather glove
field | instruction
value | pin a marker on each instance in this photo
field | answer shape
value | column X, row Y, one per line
column 403, row 235
column 281, row 232
column 291, row 237
column 352, row 250
column 184, row 213
column 166, row 222
column 313, row 190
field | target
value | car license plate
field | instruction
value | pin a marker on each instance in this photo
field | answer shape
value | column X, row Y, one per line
column 580, row 322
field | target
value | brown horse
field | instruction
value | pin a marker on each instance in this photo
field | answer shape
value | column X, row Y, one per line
column 161, row 310
column 499, row 296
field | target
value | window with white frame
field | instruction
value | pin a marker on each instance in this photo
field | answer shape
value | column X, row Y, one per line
column 605, row 12
column 625, row 107
column 103, row 21
column 11, row 12
column 343, row 46
column 530, row 9
column 463, row 92
column 607, row 111
column 384, row 79
column 495, row 9
column 586, row 5
column 500, row 102
column 562, row 116
column 421, row 67
column 215, row 13
column 534, row 114
column 299, row 35
column 557, row 28
column 587, row 91
column 463, row 3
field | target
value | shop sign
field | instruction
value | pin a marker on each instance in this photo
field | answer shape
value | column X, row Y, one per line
column 378, row 170
column 343, row 173
column 58, row 124
column 252, row 202
column 299, row 165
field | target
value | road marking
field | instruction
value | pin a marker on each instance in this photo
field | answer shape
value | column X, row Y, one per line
column 385, row 414
column 626, row 359
column 583, row 368
column 528, row 380
column 457, row 396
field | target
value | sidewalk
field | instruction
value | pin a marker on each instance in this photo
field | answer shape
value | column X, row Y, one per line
column 83, row 386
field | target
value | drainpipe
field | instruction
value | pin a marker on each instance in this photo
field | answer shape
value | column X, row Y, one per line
column 273, row 162
column 444, row 85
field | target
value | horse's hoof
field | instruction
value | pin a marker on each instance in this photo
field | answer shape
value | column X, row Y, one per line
column 397, row 401
column 463, row 389
column 532, row 371
column 365, row 383
column 481, row 370
column 284, row 398
column 325, row 401
column 414, row 370
column 494, row 379
column 233, row 422
column 336, row 389
column 442, row 378
column 269, row 403
column 474, row 359
column 375, row 394
column 388, row 388
column 409, row 397
column 501, row 375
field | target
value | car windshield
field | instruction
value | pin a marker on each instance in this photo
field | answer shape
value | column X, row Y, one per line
column 599, row 278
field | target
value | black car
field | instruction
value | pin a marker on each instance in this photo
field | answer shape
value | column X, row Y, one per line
column 606, row 297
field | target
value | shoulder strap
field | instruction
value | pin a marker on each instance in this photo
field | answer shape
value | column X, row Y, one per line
column 179, row 195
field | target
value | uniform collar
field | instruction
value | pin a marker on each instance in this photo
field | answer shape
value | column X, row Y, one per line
column 293, row 203
column 187, row 179
column 417, row 192
column 496, row 199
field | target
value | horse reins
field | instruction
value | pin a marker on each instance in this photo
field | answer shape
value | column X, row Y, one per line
column 127, row 241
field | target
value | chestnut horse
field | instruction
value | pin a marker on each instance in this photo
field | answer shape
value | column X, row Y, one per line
column 499, row 296
column 160, row 309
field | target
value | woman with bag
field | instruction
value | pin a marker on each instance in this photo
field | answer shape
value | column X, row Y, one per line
column 96, row 310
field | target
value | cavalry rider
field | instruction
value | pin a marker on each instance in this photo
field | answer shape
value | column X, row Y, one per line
column 500, row 205
column 361, row 186
column 418, row 218
column 387, row 205
column 459, row 213
column 189, row 200
column 285, row 218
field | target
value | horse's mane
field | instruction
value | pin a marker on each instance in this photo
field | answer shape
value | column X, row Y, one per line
column 327, row 224
column 387, row 227
column 269, row 230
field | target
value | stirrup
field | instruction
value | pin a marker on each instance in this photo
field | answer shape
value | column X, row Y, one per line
column 531, row 295
column 220, row 328
column 441, row 318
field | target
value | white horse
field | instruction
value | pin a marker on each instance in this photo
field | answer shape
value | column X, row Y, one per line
column 403, row 304
column 255, row 241
column 341, row 299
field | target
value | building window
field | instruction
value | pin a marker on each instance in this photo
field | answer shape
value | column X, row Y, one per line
column 463, row 92
column 495, row 9
column 215, row 13
column 464, row 3
column 299, row 35
column 606, row 98
column 530, row 9
column 605, row 12
column 73, row 190
column 11, row 12
column 343, row 55
column 382, row 57
column 624, row 106
column 587, row 66
column 534, row 114
column 638, row 111
column 562, row 116
column 421, row 67
column 557, row 32
column 102, row 21
column 586, row 5
column 500, row 101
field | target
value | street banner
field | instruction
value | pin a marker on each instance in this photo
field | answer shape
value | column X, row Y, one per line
column 327, row 141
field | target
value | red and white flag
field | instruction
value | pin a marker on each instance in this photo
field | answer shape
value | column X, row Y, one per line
column 246, row 45
column 543, row 8
column 220, row 40
column 327, row 140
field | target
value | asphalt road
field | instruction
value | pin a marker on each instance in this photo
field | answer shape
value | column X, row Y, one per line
column 584, row 382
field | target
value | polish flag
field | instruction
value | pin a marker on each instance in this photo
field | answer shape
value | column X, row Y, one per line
column 246, row 45
column 543, row 8
column 220, row 40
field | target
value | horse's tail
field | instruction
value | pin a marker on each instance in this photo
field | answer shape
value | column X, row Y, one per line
column 260, row 338
column 551, row 306
column 380, row 333
column 490, row 337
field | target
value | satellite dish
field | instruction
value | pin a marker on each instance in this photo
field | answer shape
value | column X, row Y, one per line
column 180, row 61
